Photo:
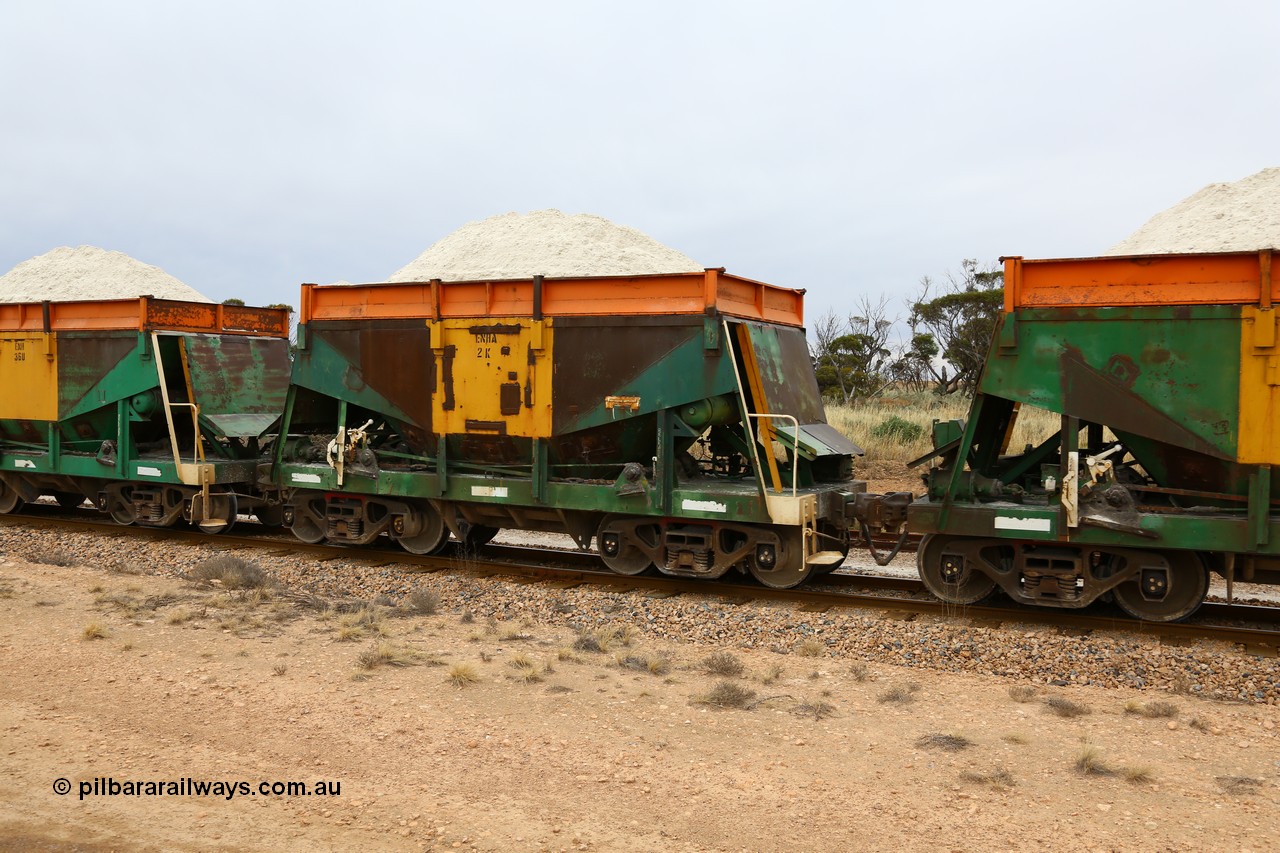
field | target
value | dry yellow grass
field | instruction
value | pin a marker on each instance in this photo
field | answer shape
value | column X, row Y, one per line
column 864, row 423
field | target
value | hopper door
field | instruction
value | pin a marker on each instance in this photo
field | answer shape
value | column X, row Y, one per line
column 494, row 376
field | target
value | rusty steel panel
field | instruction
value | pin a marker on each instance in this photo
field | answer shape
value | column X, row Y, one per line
column 174, row 315
column 600, row 357
column 391, row 359
column 1189, row 279
column 85, row 360
column 786, row 373
column 238, row 374
column 702, row 292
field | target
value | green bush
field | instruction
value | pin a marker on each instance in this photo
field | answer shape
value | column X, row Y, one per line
column 897, row 430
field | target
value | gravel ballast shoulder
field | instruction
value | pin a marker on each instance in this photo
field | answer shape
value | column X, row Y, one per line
column 1018, row 652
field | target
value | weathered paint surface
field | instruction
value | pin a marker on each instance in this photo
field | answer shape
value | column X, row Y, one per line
column 1168, row 374
column 1259, row 387
column 29, row 376
column 494, row 376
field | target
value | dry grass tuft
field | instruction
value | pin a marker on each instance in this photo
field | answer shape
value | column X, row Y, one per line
column 1016, row 737
column 1199, row 724
column 997, row 778
column 179, row 615
column 774, row 673
column 279, row 669
column 387, row 654
column 728, row 694
column 605, row 638
column 819, row 709
column 1137, row 775
column 421, row 602
column 654, row 665
column 54, row 557
column 1023, row 692
column 467, row 617
column 811, row 648
column 94, row 631
column 722, row 663
column 230, row 572
column 945, row 742
column 900, row 694
column 1064, row 707
column 525, row 667
column 859, row 671
column 462, row 674
column 1090, row 763
column 1151, row 710
column 1238, row 784
column 366, row 620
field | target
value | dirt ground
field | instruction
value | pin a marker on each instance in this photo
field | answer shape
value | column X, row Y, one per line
column 143, row 678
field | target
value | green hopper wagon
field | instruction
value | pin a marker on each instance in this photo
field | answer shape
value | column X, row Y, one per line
column 150, row 408
column 1165, row 374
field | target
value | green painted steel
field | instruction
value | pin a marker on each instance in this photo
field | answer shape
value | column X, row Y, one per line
column 1167, row 374
column 646, row 421
column 109, row 392
column 1162, row 382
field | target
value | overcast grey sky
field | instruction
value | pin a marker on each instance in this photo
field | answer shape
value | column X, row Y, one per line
column 246, row 147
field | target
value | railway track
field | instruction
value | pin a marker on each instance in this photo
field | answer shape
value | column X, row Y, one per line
column 1254, row 629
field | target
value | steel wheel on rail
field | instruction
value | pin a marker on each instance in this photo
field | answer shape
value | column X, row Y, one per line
column 10, row 501
column 1156, row 595
column 269, row 516
column 477, row 536
column 421, row 531
column 120, row 507
column 949, row 576
column 783, row 566
column 616, row 550
column 220, row 515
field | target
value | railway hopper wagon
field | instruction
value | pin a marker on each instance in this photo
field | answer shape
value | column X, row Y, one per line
column 1165, row 374
column 151, row 408
column 674, row 420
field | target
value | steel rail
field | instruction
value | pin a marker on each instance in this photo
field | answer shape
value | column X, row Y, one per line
column 583, row 568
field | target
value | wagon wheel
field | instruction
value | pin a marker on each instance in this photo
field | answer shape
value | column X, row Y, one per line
column 121, row 508
column 477, row 536
column 616, row 550
column 1169, row 596
column 424, row 531
column 9, row 499
column 782, row 567
column 68, row 500
column 269, row 516
column 220, row 514
column 950, row 577
column 305, row 526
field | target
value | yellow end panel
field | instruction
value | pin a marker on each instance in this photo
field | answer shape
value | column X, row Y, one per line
column 493, row 376
column 28, row 376
column 1259, row 387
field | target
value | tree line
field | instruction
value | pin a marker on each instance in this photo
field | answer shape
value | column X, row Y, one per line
column 948, row 331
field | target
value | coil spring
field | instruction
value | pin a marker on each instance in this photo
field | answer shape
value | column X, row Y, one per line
column 345, row 528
